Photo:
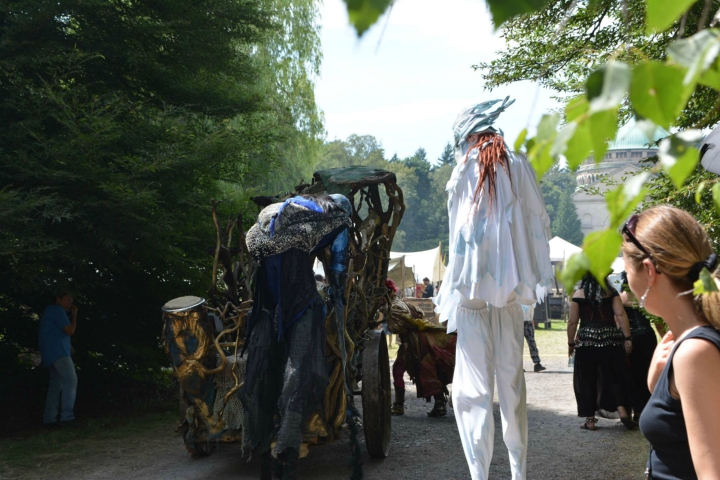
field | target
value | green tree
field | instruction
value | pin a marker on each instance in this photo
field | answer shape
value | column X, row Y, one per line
column 566, row 224
column 447, row 157
column 356, row 150
column 556, row 182
column 561, row 44
column 653, row 59
column 120, row 122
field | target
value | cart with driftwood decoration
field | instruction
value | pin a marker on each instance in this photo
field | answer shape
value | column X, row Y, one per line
column 204, row 339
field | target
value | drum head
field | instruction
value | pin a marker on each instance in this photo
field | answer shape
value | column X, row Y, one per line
column 181, row 304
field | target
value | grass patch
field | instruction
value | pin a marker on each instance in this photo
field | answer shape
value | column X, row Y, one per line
column 552, row 342
column 43, row 451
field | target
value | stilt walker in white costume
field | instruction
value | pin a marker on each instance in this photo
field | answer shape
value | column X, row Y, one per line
column 499, row 260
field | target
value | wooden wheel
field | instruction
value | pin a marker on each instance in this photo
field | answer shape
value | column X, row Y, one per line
column 376, row 394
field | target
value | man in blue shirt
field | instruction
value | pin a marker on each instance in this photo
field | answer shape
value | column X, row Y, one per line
column 56, row 328
column 429, row 289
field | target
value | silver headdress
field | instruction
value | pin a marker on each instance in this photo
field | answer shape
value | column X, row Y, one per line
column 475, row 119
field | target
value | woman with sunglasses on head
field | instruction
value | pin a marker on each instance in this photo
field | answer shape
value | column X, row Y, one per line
column 665, row 249
column 599, row 378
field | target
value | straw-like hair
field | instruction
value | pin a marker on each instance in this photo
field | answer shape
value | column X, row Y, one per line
column 491, row 152
column 676, row 242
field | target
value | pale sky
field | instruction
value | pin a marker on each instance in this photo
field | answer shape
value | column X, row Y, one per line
column 408, row 94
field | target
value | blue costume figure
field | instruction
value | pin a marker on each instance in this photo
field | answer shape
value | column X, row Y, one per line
column 287, row 371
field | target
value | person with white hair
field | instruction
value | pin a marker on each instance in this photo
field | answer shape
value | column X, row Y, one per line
column 499, row 259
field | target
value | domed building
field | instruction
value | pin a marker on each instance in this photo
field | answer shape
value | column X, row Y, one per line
column 622, row 159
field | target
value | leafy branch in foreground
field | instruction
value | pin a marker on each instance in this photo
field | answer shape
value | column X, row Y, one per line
column 658, row 63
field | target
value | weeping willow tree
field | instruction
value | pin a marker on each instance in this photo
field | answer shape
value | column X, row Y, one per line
column 121, row 121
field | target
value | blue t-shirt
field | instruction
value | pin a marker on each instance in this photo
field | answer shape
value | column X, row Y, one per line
column 54, row 342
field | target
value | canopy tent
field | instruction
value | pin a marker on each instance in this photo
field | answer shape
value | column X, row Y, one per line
column 318, row 267
column 428, row 263
column 401, row 274
column 561, row 250
column 618, row 265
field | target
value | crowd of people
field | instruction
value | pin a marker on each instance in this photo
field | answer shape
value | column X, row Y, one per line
column 498, row 268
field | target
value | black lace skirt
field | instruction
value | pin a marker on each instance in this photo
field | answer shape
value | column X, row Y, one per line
column 601, row 380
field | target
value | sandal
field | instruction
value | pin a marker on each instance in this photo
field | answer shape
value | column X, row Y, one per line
column 589, row 424
column 629, row 424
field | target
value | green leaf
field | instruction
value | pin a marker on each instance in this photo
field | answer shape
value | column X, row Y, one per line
column 540, row 148
column 504, row 10
column 601, row 249
column 364, row 13
column 716, row 195
column 696, row 53
column 540, row 158
column 647, row 127
column 711, row 77
column 679, row 156
column 520, row 139
column 705, row 284
column 574, row 270
column 547, row 128
column 698, row 192
column 602, row 127
column 606, row 87
column 661, row 14
column 576, row 107
column 657, row 92
column 579, row 146
column 562, row 138
column 621, row 201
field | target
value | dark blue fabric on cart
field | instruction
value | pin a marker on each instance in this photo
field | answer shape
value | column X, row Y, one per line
column 285, row 380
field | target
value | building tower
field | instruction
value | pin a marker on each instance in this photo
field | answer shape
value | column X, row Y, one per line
column 622, row 159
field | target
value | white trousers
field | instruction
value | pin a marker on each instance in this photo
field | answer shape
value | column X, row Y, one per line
column 489, row 344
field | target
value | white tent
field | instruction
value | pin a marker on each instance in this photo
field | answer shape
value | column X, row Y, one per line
column 561, row 250
column 428, row 263
column 618, row 265
column 401, row 274
column 318, row 267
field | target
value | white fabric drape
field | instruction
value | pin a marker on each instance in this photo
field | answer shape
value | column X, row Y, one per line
column 499, row 259
column 494, row 252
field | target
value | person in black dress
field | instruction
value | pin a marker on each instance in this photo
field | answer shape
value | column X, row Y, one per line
column 644, row 343
column 666, row 251
column 599, row 377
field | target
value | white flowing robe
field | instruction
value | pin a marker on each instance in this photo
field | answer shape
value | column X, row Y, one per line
column 495, row 253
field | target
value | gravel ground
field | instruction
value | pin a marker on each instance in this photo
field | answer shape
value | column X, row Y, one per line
column 421, row 448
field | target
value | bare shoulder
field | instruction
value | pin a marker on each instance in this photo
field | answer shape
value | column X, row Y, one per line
column 579, row 294
column 696, row 354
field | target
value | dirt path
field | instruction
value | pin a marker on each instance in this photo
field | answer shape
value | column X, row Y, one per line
column 422, row 447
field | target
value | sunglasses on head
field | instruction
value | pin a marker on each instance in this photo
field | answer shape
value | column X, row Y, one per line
column 629, row 231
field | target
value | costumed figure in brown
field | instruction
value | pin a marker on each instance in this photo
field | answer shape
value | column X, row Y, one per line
column 427, row 354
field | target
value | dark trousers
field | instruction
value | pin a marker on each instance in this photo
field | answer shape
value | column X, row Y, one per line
column 642, row 353
column 398, row 372
column 600, row 379
column 532, row 346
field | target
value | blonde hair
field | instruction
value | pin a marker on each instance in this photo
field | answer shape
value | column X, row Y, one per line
column 676, row 242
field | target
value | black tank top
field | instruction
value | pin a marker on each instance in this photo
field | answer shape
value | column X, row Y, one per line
column 663, row 424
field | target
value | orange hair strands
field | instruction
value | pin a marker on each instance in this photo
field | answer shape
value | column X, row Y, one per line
column 489, row 156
